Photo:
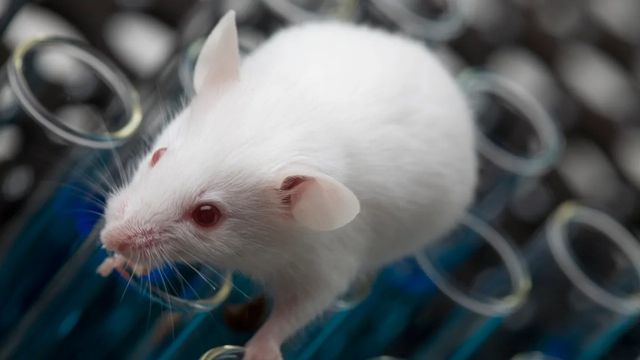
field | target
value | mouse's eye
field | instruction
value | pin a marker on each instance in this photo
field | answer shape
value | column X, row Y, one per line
column 156, row 156
column 206, row 215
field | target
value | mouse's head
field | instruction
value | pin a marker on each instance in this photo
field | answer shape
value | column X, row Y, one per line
column 187, row 202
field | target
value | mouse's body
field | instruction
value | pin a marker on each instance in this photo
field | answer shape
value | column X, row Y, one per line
column 378, row 113
column 328, row 152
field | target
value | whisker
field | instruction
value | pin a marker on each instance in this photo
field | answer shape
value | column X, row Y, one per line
column 129, row 281
column 211, row 285
column 203, row 262
column 83, row 211
column 183, row 278
column 168, row 298
column 78, row 190
column 148, row 280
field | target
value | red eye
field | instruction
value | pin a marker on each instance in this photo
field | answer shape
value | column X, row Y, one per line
column 206, row 215
column 156, row 156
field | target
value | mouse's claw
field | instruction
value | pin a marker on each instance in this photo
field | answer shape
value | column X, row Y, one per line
column 106, row 267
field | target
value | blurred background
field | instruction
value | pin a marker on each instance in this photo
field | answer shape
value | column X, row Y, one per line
column 546, row 265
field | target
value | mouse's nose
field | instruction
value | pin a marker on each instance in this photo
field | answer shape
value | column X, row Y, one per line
column 115, row 240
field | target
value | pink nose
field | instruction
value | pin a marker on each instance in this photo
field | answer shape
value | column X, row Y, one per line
column 115, row 240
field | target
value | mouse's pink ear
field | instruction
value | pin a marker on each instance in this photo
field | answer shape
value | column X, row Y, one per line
column 318, row 201
column 219, row 59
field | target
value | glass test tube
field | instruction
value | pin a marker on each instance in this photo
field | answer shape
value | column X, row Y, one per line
column 586, row 286
column 305, row 344
column 516, row 138
column 188, row 290
column 485, row 289
column 502, row 165
column 226, row 352
column 502, row 169
column 434, row 21
column 338, row 322
column 507, row 117
column 476, row 296
column 297, row 11
column 77, row 99
column 96, row 108
column 231, row 352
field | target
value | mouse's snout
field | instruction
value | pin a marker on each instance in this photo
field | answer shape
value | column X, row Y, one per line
column 115, row 240
column 123, row 240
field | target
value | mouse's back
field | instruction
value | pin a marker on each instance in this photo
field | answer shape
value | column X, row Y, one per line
column 379, row 113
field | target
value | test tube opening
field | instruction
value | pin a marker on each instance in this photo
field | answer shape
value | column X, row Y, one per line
column 611, row 278
column 97, row 106
column 225, row 352
column 436, row 21
column 357, row 293
column 495, row 100
column 297, row 11
column 497, row 286
column 182, row 287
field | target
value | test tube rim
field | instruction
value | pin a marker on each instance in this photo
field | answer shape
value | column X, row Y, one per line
column 108, row 72
column 294, row 13
column 558, row 244
column 473, row 82
column 518, row 273
column 216, row 352
column 177, row 303
column 362, row 289
column 444, row 28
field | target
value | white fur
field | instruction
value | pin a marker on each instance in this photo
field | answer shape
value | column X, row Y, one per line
column 373, row 111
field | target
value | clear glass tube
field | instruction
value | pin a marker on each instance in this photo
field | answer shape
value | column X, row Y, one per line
column 226, row 352
column 504, row 165
column 297, row 11
column 491, row 284
column 412, row 17
column 504, row 168
column 516, row 138
column 586, row 286
column 47, row 225
column 182, row 287
column 439, row 261
column 78, row 99
column 345, row 312
column 232, row 352
column 534, row 355
column 355, row 295
column 398, row 308
column 71, row 53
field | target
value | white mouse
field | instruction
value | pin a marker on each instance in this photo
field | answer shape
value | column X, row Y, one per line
column 328, row 152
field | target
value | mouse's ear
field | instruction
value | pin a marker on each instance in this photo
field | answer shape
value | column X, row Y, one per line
column 318, row 201
column 219, row 59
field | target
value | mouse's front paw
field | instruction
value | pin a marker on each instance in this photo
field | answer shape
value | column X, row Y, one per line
column 262, row 350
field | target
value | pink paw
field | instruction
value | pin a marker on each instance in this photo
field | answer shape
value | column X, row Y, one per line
column 262, row 351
